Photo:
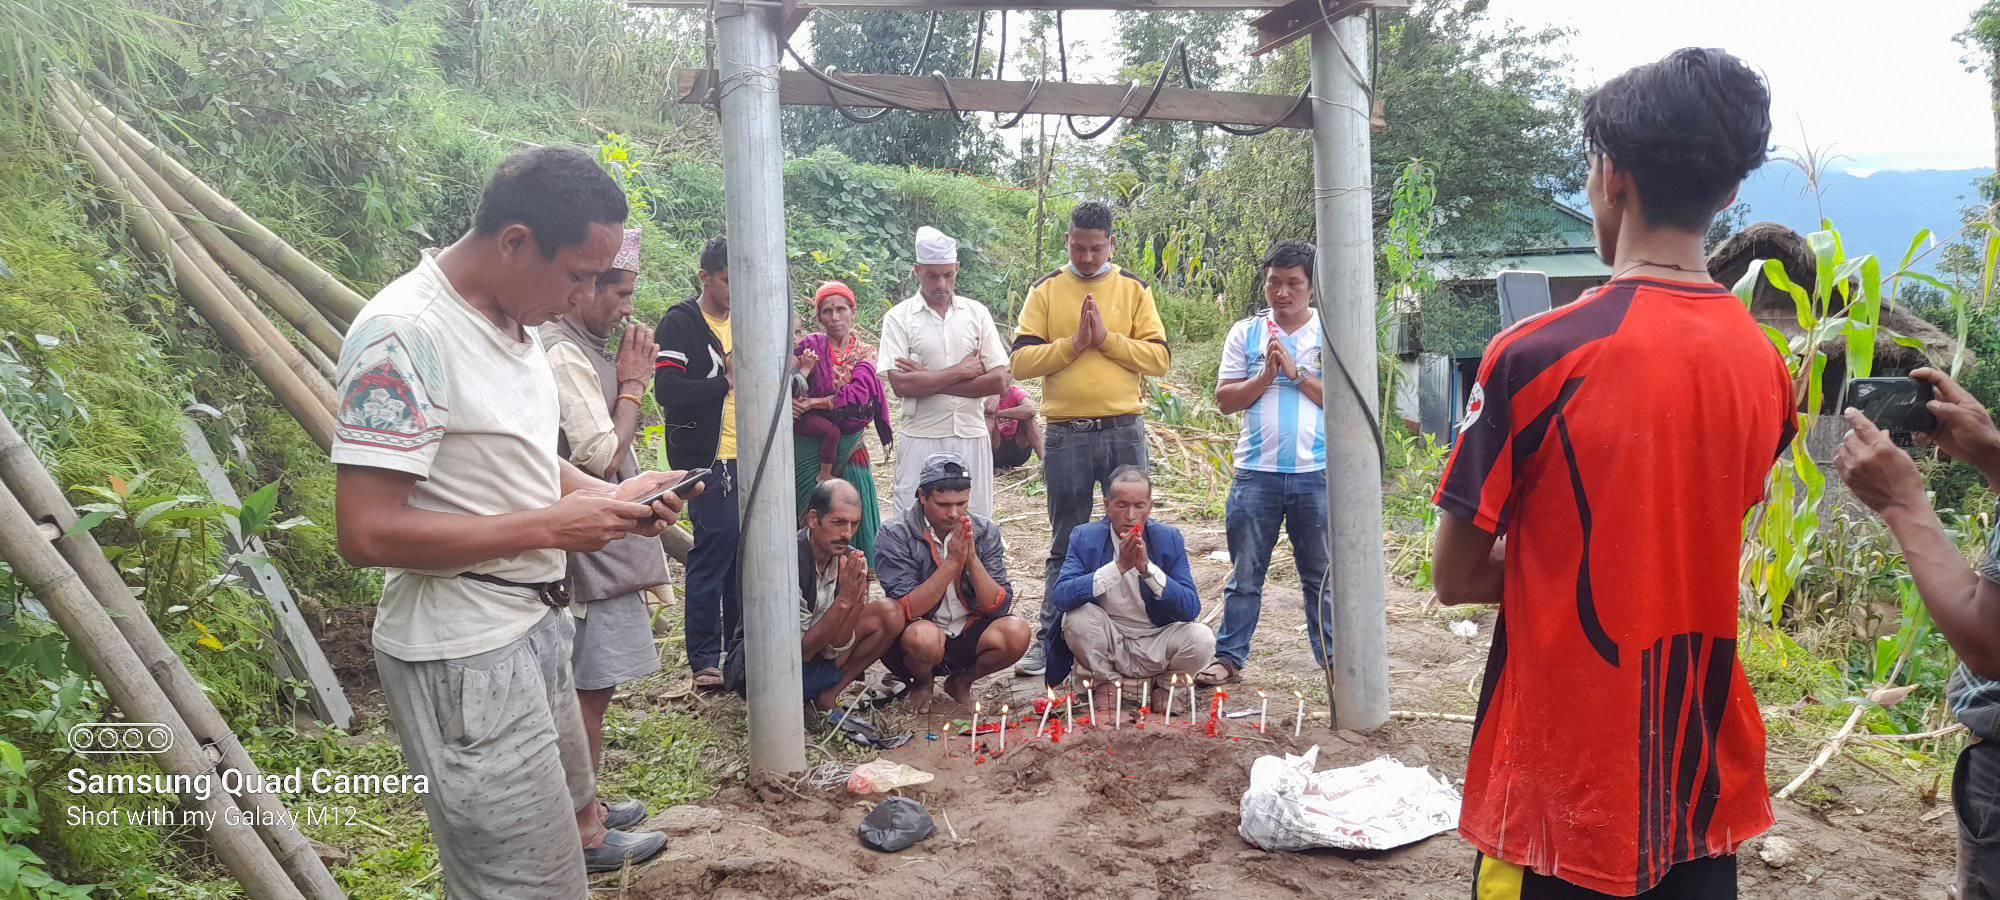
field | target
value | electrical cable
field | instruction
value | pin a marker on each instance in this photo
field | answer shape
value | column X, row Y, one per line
column 1033, row 88
column 1062, row 51
column 1268, row 127
column 951, row 102
column 1000, row 69
column 925, row 50
column 978, row 43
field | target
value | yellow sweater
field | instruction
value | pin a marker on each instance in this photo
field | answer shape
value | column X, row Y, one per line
column 1101, row 381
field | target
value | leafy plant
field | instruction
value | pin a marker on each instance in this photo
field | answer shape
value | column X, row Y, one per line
column 23, row 875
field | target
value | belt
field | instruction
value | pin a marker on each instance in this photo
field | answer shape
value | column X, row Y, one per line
column 553, row 594
column 1104, row 424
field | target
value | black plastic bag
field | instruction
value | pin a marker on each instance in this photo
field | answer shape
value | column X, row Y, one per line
column 895, row 824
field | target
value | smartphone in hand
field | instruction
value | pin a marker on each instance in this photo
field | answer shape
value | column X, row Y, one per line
column 1899, row 405
column 683, row 488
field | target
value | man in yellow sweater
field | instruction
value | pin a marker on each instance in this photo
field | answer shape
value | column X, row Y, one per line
column 1090, row 330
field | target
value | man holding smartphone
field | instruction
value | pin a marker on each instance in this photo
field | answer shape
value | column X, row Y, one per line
column 448, row 478
column 599, row 395
column 1963, row 600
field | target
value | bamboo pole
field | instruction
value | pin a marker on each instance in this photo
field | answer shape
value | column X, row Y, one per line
column 313, row 413
column 51, row 580
column 278, row 293
column 37, row 491
column 338, row 301
column 129, row 169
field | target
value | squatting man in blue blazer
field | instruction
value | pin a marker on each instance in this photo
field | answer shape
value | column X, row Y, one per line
column 1125, row 601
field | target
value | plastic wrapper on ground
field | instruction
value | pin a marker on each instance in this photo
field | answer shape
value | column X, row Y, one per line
column 1373, row 806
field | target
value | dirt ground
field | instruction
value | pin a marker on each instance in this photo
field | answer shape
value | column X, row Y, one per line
column 1154, row 813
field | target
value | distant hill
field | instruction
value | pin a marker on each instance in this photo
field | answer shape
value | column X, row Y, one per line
column 1877, row 213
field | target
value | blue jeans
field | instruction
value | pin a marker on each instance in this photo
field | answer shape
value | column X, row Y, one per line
column 714, row 609
column 1258, row 503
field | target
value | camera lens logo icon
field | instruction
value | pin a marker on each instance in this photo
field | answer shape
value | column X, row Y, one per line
column 100, row 738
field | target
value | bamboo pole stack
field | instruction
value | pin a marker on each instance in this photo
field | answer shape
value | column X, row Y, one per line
column 259, row 844
column 210, row 244
column 178, row 232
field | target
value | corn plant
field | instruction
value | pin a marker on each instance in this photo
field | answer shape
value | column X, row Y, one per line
column 1782, row 534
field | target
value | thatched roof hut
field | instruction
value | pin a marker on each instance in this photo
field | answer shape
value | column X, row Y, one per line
column 1769, row 240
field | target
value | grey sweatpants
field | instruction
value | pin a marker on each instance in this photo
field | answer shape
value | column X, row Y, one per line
column 500, row 738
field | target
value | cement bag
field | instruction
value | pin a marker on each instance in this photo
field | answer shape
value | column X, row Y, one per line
column 1373, row 806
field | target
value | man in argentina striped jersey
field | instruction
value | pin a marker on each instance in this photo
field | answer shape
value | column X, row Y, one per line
column 1271, row 373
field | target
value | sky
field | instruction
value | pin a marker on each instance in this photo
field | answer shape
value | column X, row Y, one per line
column 1878, row 86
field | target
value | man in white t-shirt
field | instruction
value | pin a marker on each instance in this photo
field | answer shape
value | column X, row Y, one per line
column 941, row 354
column 449, row 479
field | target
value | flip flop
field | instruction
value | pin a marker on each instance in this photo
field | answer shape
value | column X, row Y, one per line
column 708, row 680
column 890, row 692
column 1204, row 679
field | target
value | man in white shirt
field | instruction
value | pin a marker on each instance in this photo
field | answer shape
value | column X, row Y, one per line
column 449, row 479
column 941, row 354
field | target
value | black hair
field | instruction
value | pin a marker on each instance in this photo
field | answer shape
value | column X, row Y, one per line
column 823, row 494
column 715, row 256
column 558, row 192
column 1688, row 127
column 1091, row 215
column 945, row 484
column 610, row 277
column 1125, row 473
column 1290, row 255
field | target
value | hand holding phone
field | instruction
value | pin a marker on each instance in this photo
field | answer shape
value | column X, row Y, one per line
column 1898, row 405
column 685, row 488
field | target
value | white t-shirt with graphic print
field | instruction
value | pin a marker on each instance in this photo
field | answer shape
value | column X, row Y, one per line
column 429, row 386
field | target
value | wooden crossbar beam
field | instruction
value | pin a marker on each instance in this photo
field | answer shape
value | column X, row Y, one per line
column 984, row 95
column 1299, row 17
column 978, row 5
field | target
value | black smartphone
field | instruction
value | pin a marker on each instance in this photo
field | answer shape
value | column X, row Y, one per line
column 1899, row 405
column 684, row 488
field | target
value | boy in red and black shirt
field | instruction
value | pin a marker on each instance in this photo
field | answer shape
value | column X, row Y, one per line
column 1616, row 444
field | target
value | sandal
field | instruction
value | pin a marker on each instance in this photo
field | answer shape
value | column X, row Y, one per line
column 892, row 690
column 1209, row 677
column 708, row 680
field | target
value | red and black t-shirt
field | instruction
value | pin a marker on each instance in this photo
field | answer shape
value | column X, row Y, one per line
column 1617, row 443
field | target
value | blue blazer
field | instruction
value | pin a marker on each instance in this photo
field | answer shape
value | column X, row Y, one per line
column 1091, row 545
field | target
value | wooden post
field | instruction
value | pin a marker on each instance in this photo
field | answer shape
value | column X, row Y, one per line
column 761, row 321
column 1359, row 665
column 50, row 579
column 299, row 652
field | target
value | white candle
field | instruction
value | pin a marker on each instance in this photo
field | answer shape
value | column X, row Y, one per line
column 1147, row 703
column 1069, row 711
column 1173, row 687
column 1263, row 710
column 1194, row 700
column 1118, row 706
column 1003, row 727
column 1299, row 719
column 973, row 745
column 1090, row 697
column 1048, row 703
